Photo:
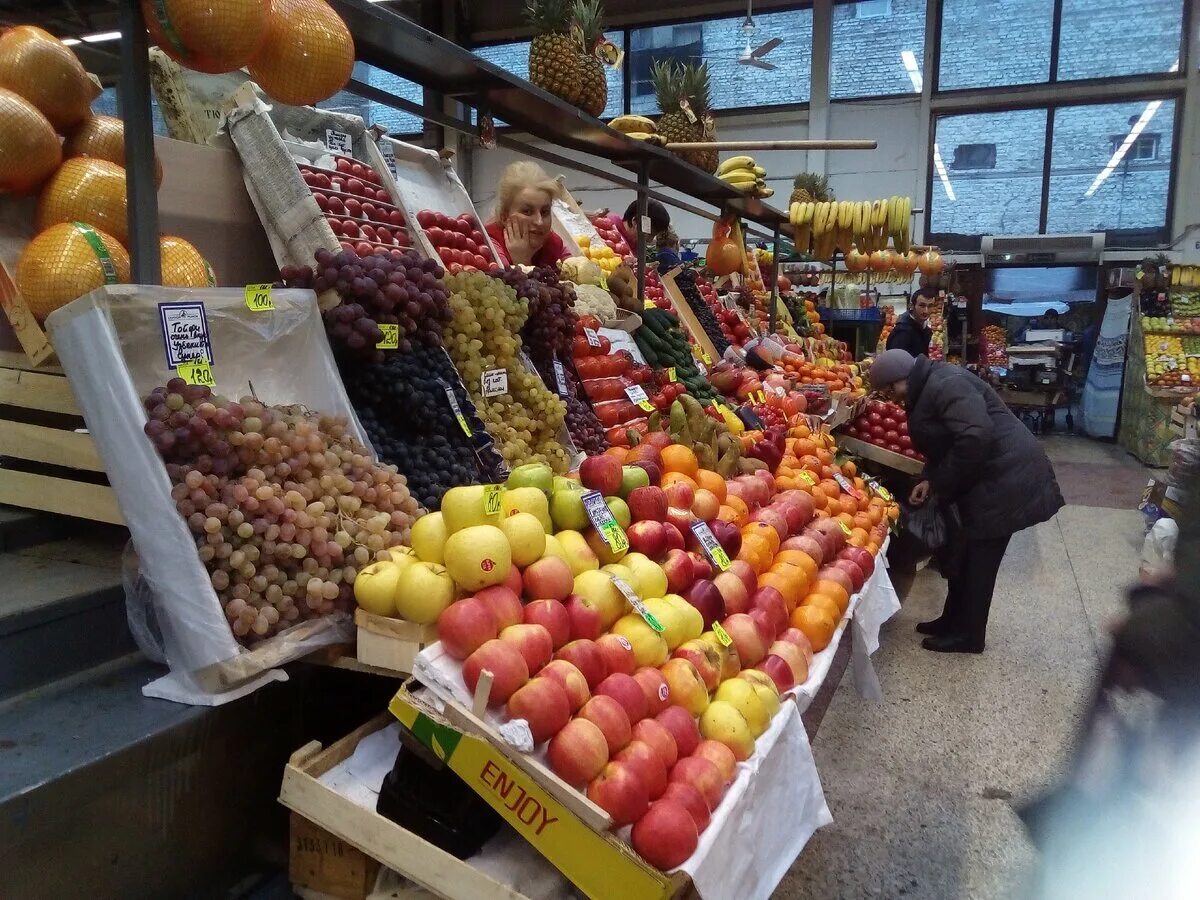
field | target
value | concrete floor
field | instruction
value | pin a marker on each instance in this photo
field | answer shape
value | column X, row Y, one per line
column 921, row 785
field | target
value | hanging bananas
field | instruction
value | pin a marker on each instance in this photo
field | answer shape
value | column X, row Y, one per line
column 744, row 174
column 841, row 224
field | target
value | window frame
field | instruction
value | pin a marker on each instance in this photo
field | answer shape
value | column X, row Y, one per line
column 1138, row 238
column 899, row 95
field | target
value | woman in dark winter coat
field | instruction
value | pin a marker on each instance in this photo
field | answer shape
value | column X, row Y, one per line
column 980, row 460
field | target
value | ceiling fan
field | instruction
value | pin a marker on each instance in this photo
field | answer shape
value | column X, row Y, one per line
column 755, row 57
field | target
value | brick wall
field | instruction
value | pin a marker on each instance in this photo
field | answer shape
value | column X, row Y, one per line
column 866, row 59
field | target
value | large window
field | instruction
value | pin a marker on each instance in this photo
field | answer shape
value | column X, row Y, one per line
column 1099, row 182
column 514, row 58
column 1107, row 38
column 399, row 124
column 721, row 43
column 970, row 197
column 986, row 43
column 878, row 48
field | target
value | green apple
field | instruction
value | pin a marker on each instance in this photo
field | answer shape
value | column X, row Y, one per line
column 375, row 588
column 563, row 483
column 428, row 538
column 633, row 477
column 534, row 475
column 526, row 500
column 567, row 512
column 620, row 511
column 463, row 507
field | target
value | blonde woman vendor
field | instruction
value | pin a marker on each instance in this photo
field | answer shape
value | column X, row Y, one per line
column 521, row 226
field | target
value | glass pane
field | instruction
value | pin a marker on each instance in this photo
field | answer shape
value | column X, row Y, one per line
column 1110, row 166
column 986, row 43
column 720, row 43
column 987, row 173
column 398, row 124
column 514, row 58
column 1086, row 47
column 878, row 48
column 109, row 104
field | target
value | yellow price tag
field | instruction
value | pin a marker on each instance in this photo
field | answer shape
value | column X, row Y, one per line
column 391, row 337
column 722, row 635
column 671, row 374
column 197, row 371
column 614, row 536
column 845, row 528
column 808, row 477
column 646, row 405
column 491, row 499
column 648, row 304
column 258, row 298
column 762, row 397
column 705, row 358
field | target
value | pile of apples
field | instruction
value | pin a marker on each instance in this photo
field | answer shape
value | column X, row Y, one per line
column 611, row 236
column 358, row 209
column 884, row 424
column 733, row 326
column 459, row 241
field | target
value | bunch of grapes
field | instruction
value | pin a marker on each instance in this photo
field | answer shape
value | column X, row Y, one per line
column 551, row 323
column 285, row 505
column 396, row 288
column 585, row 429
column 483, row 335
column 686, row 282
column 403, row 406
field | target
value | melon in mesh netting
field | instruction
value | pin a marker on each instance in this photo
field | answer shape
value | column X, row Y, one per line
column 29, row 148
column 308, row 54
column 212, row 36
column 43, row 70
column 86, row 190
column 104, row 138
column 182, row 264
column 65, row 262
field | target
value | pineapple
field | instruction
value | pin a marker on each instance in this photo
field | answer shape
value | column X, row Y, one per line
column 810, row 187
column 674, row 82
column 553, row 53
column 593, row 83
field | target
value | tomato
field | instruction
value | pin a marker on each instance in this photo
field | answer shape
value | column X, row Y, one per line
column 874, row 418
column 891, row 436
column 905, row 441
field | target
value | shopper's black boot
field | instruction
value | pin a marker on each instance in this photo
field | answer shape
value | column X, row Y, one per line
column 938, row 626
column 952, row 643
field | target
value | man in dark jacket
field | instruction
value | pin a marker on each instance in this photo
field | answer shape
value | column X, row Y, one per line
column 985, row 463
column 911, row 331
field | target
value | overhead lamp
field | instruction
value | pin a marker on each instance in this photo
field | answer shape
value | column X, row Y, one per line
column 101, row 37
column 1119, row 154
column 940, row 167
column 909, row 60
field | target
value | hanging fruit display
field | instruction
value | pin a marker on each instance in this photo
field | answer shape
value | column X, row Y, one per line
column 65, row 262
column 724, row 256
column 103, row 137
column 182, row 264
column 29, row 148
column 930, row 263
column 86, row 190
column 307, row 55
column 39, row 67
column 212, row 36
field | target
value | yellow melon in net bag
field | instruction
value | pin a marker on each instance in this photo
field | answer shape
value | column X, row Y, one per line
column 212, row 36
column 182, row 264
column 104, row 138
column 65, row 262
column 43, row 70
column 86, row 190
column 29, row 148
column 308, row 54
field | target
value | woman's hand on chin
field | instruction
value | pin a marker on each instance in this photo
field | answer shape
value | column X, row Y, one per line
column 519, row 243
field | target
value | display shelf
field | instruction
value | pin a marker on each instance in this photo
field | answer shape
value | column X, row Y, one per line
column 880, row 455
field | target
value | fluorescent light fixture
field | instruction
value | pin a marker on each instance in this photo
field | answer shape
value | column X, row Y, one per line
column 940, row 168
column 101, row 37
column 1119, row 154
column 70, row 42
column 909, row 59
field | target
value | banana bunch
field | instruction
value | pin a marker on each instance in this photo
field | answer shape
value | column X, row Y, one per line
column 639, row 128
column 742, row 173
column 842, row 224
column 1185, row 276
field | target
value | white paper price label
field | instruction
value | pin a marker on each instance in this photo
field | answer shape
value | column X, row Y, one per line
column 848, row 488
column 592, row 337
column 388, row 152
column 338, row 142
column 637, row 394
column 494, row 382
column 636, row 602
column 712, row 547
column 560, row 377
column 604, row 522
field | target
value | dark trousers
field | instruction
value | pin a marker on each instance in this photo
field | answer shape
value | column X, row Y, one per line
column 969, row 598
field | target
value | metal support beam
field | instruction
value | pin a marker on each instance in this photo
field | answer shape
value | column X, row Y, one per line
column 642, row 210
column 145, row 261
column 771, row 317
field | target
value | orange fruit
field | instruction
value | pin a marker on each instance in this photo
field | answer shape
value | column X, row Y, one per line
column 809, row 461
column 619, row 453
column 678, row 458
column 795, row 574
column 834, row 590
column 805, row 447
column 728, row 514
column 758, row 543
column 846, row 519
column 711, row 481
column 816, row 623
column 765, row 531
column 825, row 457
column 800, row 559
column 858, row 537
column 872, row 548
column 671, row 478
column 819, row 501
column 643, row 451
column 789, row 588
column 739, row 505
column 823, row 601
column 848, row 505
column 849, row 469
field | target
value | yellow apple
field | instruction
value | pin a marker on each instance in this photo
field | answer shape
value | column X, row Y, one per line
column 526, row 500
column 478, row 556
column 626, row 574
column 693, row 620
column 598, row 589
column 554, row 548
column 651, row 578
column 463, row 506
column 743, row 695
column 423, row 590
column 526, row 537
column 764, row 686
column 723, row 722
column 375, row 588
column 402, row 555
column 577, row 553
column 674, row 624
column 649, row 647
column 428, row 538
column 731, row 663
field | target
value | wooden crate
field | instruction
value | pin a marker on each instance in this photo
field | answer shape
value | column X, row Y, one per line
column 880, row 455
column 391, row 644
column 687, row 318
column 324, row 863
column 50, row 462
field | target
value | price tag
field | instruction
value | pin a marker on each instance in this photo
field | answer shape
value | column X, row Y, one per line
column 648, row 304
column 637, row 394
column 456, row 409
column 603, row 521
column 494, row 382
column 560, row 376
column 592, row 337
column 671, row 376
column 762, row 398
column 391, row 337
column 845, row 528
column 388, row 152
column 808, row 477
column 338, row 142
column 491, row 499
column 722, row 635
column 881, row 491
column 636, row 602
column 712, row 547
column 198, row 371
column 258, row 298
column 846, row 486
column 704, row 357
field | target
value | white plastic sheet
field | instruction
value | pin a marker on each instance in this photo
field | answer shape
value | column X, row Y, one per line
column 111, row 345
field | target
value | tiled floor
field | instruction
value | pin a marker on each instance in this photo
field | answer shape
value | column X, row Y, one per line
column 921, row 784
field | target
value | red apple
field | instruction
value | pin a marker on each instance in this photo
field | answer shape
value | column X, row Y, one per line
column 764, row 621
column 680, row 571
column 733, row 592
column 720, row 756
column 807, row 544
column 705, row 597
column 644, row 760
column 552, row 616
column 578, row 753
column 647, row 537
column 861, row 558
column 690, row 798
column 513, row 582
column 465, row 626
column 773, row 604
column 571, row 679
column 657, row 736
column 679, row 722
column 779, row 671
column 619, row 792
column 626, row 691
column 751, row 642
column 674, row 536
column 647, row 504
column 680, row 495
column 533, row 641
column 800, row 639
column 838, row 574
column 774, row 518
column 666, row 835
column 601, row 473
column 704, row 658
column 728, row 535
column 701, row 565
column 794, row 657
column 586, row 657
column 618, row 654
column 610, row 717
column 587, row 621
column 745, row 571
column 504, row 661
column 655, row 689
column 702, row 774
column 542, row 703
column 682, row 519
column 705, row 505
column 548, row 577
column 505, row 605
column 857, row 578
column 747, row 495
